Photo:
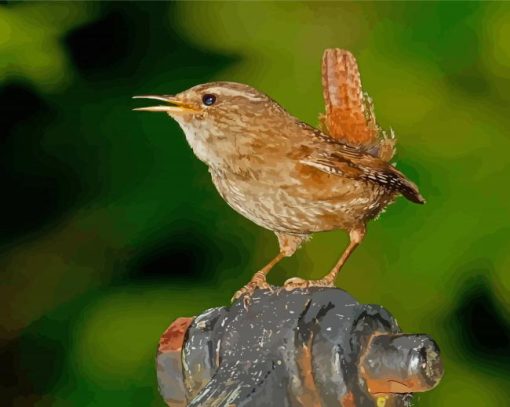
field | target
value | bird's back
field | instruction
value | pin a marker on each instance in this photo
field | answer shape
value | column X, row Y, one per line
column 310, row 183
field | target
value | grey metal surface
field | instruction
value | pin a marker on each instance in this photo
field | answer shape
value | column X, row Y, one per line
column 300, row 348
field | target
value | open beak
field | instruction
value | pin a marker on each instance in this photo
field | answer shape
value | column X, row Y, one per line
column 174, row 104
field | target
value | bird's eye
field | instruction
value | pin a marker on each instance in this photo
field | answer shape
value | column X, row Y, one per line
column 208, row 99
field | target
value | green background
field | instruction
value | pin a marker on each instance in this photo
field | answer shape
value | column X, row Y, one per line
column 110, row 228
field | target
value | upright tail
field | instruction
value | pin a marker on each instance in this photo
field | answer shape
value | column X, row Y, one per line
column 347, row 118
column 349, row 112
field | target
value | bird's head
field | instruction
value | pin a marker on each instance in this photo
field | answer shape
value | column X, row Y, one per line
column 215, row 103
column 219, row 116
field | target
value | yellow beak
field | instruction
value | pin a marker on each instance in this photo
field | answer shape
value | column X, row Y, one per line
column 175, row 105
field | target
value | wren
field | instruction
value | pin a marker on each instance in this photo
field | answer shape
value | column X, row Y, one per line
column 282, row 173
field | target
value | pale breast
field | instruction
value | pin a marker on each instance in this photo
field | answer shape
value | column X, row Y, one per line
column 294, row 207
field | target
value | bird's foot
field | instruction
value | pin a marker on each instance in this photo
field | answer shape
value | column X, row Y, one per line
column 258, row 281
column 296, row 282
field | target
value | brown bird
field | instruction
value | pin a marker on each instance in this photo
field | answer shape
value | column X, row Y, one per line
column 283, row 174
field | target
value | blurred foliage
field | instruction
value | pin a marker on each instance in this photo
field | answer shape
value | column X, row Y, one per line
column 111, row 228
column 30, row 45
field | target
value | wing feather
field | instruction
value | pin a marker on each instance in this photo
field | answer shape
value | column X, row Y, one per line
column 353, row 164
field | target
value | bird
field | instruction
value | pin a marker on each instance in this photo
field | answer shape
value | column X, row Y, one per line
column 284, row 174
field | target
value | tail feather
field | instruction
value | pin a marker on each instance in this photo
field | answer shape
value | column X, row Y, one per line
column 349, row 112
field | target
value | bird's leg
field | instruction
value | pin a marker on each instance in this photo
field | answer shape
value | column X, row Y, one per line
column 258, row 280
column 356, row 236
column 288, row 245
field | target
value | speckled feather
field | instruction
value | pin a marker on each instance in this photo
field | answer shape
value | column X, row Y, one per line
column 281, row 173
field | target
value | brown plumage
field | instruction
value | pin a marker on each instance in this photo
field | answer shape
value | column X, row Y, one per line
column 350, row 115
column 283, row 174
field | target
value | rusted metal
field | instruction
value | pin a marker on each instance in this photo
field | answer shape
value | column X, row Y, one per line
column 173, row 338
column 305, row 348
column 169, row 363
column 403, row 363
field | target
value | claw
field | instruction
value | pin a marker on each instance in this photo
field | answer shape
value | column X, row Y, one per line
column 296, row 282
column 247, row 291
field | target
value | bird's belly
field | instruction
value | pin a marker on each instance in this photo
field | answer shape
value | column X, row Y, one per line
column 293, row 209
